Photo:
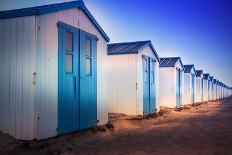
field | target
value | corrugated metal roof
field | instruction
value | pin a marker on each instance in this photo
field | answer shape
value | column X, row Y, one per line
column 199, row 73
column 45, row 9
column 187, row 68
column 129, row 48
column 211, row 78
column 206, row 76
column 169, row 61
column 215, row 81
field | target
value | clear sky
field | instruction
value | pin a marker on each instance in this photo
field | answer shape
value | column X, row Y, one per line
column 199, row 31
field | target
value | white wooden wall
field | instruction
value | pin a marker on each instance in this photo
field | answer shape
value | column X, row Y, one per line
column 147, row 52
column 187, row 89
column 122, row 84
column 124, row 72
column 167, row 88
column 199, row 90
column 47, row 69
column 17, row 65
column 205, row 91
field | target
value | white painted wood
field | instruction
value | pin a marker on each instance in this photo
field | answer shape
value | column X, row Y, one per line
column 168, row 87
column 17, row 99
column 125, row 72
column 199, row 89
column 47, row 69
column 122, row 84
column 206, row 90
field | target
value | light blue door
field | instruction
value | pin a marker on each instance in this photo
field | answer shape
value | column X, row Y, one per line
column 77, row 79
column 88, row 80
column 149, row 98
column 68, row 70
column 178, row 89
column 146, row 85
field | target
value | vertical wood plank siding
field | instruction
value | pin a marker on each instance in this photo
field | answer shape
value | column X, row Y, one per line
column 47, row 69
column 17, row 49
column 122, row 79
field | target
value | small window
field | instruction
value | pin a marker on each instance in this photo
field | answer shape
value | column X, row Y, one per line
column 88, row 47
column 69, row 41
column 88, row 66
column 69, row 63
column 145, row 70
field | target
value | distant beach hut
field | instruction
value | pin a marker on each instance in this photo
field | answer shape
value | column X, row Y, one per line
column 134, row 78
column 171, row 82
column 199, row 85
column 189, row 84
column 206, row 79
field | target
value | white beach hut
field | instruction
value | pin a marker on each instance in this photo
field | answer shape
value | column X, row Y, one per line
column 206, row 87
column 189, row 84
column 199, row 86
column 54, row 71
column 214, row 89
column 171, row 82
column 210, row 87
column 133, row 78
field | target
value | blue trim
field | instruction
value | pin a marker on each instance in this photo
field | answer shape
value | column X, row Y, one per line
column 45, row 9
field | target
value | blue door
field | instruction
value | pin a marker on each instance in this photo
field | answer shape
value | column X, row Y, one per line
column 178, row 89
column 88, row 80
column 149, row 101
column 146, row 85
column 77, row 88
column 68, row 102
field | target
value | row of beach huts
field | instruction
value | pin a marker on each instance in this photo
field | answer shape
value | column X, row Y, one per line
column 60, row 75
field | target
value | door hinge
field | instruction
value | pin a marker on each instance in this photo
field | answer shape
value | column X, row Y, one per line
column 136, row 86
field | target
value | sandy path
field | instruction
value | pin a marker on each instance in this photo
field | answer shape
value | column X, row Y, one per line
column 201, row 130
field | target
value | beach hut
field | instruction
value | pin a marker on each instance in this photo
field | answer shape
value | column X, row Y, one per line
column 171, row 82
column 189, row 84
column 134, row 78
column 199, row 86
column 214, row 89
column 206, row 79
column 54, row 71
column 218, row 90
column 210, row 87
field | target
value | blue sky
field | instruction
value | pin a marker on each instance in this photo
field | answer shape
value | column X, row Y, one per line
column 199, row 31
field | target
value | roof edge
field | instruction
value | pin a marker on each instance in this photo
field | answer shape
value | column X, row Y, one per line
column 46, row 9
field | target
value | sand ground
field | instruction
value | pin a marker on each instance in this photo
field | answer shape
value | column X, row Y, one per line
column 205, row 129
